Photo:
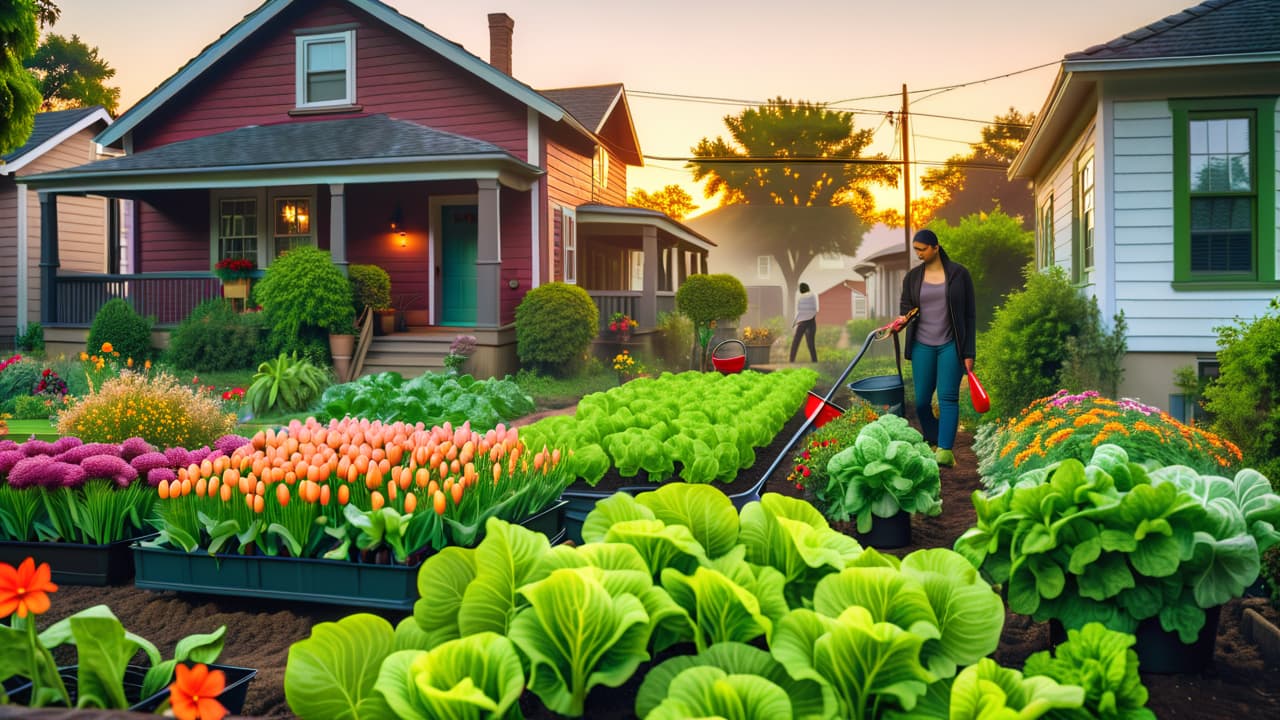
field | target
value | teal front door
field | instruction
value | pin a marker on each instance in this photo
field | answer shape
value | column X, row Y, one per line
column 458, row 231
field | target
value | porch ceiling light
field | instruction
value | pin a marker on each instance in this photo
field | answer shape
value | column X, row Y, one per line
column 397, row 221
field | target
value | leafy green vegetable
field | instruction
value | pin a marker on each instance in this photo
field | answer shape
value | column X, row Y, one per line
column 345, row 655
column 707, row 691
column 888, row 469
column 430, row 399
column 1102, row 662
column 477, row 676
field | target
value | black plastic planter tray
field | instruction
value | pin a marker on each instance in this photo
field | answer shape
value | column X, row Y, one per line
column 331, row 582
column 76, row 564
column 232, row 696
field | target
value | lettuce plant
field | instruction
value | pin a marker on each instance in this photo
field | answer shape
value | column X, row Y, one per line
column 332, row 674
column 1110, row 543
column 711, row 692
column 478, row 676
column 1103, row 663
column 790, row 536
column 430, row 399
column 889, row 469
column 987, row 691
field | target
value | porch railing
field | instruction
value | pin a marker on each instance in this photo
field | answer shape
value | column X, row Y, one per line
column 167, row 297
column 627, row 302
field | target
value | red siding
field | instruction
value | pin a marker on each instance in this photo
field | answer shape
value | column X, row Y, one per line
column 568, row 164
column 395, row 75
column 517, row 257
column 173, row 232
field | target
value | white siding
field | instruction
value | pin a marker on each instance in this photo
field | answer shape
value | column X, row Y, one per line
column 1141, row 229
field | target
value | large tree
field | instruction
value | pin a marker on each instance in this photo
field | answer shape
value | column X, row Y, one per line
column 799, row 168
column 72, row 75
column 19, row 97
column 978, row 181
column 672, row 200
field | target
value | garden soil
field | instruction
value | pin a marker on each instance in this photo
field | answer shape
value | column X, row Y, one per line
column 259, row 632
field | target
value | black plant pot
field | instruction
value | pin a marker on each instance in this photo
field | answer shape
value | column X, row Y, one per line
column 887, row 533
column 232, row 696
column 1163, row 652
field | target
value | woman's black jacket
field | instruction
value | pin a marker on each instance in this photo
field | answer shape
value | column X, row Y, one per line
column 961, row 306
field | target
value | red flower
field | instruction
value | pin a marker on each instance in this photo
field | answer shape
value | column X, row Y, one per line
column 25, row 590
column 46, row 372
column 805, row 455
column 194, row 693
column 805, row 472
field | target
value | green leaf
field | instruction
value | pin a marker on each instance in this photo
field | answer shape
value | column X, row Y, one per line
column 576, row 636
column 706, row 511
column 331, row 675
column 618, row 507
column 102, row 652
column 706, row 691
column 722, row 610
column 986, row 691
column 504, row 561
column 476, row 676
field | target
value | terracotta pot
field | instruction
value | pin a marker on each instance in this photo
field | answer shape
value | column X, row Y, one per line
column 341, row 347
column 416, row 318
column 386, row 322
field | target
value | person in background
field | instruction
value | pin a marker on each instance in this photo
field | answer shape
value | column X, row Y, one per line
column 940, row 345
column 806, row 322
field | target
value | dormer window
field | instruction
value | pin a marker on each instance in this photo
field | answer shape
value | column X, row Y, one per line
column 326, row 69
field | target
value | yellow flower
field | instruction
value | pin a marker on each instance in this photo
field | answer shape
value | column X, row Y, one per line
column 83, row 356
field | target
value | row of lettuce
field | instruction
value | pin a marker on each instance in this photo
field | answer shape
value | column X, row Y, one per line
column 766, row 612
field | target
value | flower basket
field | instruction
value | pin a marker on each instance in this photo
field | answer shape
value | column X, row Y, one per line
column 229, row 269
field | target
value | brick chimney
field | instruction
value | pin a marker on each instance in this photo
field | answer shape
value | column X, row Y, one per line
column 501, row 27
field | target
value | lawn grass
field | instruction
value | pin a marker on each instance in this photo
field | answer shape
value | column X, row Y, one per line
column 551, row 393
column 23, row 429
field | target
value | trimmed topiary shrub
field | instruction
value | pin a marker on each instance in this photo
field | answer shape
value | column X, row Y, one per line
column 128, row 332
column 213, row 337
column 555, row 324
column 370, row 287
column 703, row 298
column 304, row 295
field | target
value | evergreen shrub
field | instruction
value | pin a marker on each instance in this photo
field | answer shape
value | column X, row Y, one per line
column 214, row 337
column 16, row 380
column 555, row 324
column 1028, row 341
column 370, row 287
column 128, row 332
column 1244, row 400
column 304, row 296
column 704, row 298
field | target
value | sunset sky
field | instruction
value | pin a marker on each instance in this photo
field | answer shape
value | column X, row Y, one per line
column 721, row 54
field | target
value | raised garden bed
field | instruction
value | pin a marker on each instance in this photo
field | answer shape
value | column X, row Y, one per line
column 76, row 564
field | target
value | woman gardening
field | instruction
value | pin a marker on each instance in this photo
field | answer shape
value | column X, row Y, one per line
column 940, row 345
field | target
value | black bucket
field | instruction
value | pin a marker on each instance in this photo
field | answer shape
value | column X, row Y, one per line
column 882, row 391
column 1160, row 651
column 887, row 533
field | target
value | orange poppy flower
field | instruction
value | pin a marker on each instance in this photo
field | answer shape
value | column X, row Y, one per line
column 194, row 693
column 106, row 347
column 25, row 589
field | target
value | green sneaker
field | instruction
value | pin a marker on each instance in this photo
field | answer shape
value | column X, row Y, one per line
column 944, row 457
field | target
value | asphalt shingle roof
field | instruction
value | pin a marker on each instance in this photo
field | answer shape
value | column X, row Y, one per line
column 1214, row 27
column 47, row 125
column 587, row 105
column 368, row 137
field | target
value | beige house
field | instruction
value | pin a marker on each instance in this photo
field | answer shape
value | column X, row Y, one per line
column 59, row 140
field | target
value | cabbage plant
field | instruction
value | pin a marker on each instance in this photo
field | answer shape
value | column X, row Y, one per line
column 1109, row 542
column 888, row 469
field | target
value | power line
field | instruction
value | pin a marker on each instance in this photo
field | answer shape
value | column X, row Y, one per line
column 809, row 160
column 945, row 88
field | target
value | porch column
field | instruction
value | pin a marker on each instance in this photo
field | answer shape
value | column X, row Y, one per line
column 338, row 225
column 682, row 264
column 488, row 254
column 48, row 258
column 647, row 308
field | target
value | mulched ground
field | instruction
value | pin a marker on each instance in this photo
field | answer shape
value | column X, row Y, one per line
column 1239, row 684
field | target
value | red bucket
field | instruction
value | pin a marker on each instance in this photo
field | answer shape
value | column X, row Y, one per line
column 729, row 365
column 826, row 412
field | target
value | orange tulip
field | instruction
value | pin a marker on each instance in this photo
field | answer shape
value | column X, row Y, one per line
column 25, row 590
column 194, row 693
column 410, row 502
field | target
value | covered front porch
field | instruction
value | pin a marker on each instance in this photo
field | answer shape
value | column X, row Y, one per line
column 632, row 260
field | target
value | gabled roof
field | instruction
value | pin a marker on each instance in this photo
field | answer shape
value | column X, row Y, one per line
column 1214, row 27
column 270, row 9
column 593, row 106
column 590, row 105
column 373, row 148
column 1226, row 34
column 52, row 129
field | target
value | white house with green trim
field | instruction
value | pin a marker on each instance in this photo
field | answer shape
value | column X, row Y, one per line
column 1154, row 163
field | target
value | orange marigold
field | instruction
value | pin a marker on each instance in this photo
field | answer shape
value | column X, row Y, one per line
column 25, row 589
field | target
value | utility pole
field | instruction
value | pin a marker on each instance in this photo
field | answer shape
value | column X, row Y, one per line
column 906, row 175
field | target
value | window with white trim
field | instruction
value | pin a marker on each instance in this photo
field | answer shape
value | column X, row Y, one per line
column 326, row 69
column 292, row 220
column 764, row 263
column 569, row 245
column 602, row 167
column 1044, row 231
column 238, row 229
column 1085, row 183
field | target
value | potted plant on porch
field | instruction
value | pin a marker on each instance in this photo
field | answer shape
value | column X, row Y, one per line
column 371, row 288
column 235, row 274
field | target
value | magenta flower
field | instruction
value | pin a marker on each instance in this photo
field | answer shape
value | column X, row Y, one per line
column 149, row 461
column 32, row 448
column 7, row 445
column 133, row 447
column 178, row 457
column 64, row 444
column 77, row 455
column 161, row 474
column 27, row 472
column 9, row 458
column 228, row 444
column 198, row 455
column 108, row 467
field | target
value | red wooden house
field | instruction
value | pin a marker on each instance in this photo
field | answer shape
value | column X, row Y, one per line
column 347, row 125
